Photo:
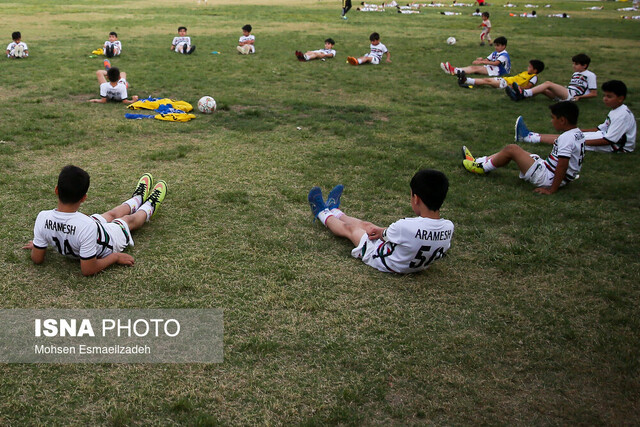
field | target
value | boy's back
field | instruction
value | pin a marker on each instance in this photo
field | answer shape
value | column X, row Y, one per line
column 409, row 245
column 73, row 234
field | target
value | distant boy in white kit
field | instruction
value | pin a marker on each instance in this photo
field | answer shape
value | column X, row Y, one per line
column 408, row 245
column 97, row 240
column 17, row 48
column 560, row 168
column 182, row 43
column 246, row 41
column 327, row 52
column 116, row 88
column 112, row 47
column 486, row 29
column 377, row 49
column 616, row 135
column 495, row 65
column 583, row 85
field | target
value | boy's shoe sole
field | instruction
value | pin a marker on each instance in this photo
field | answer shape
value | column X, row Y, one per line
column 473, row 166
column 191, row 50
column 316, row 202
column 466, row 154
column 521, row 130
column 143, row 189
column 351, row 60
column 333, row 199
column 158, row 193
column 107, row 64
column 300, row 56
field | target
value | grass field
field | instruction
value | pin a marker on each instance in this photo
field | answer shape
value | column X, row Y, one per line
column 531, row 319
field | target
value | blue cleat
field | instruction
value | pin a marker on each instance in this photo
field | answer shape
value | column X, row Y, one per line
column 316, row 202
column 521, row 130
column 333, row 199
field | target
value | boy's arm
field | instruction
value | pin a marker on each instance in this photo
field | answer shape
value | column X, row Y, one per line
column 561, row 172
column 133, row 99
column 388, row 56
column 592, row 94
column 92, row 266
column 37, row 254
column 99, row 100
column 373, row 231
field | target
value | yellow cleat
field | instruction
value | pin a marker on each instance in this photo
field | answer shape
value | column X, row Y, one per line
column 466, row 154
column 472, row 166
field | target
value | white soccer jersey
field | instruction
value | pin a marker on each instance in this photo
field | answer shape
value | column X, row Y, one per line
column 244, row 38
column 326, row 51
column 72, row 234
column 180, row 40
column 11, row 47
column 116, row 45
column 378, row 50
column 582, row 83
column 620, row 129
column 117, row 93
column 505, row 61
column 569, row 145
column 408, row 245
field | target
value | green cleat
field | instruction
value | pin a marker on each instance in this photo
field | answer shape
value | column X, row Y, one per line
column 157, row 195
column 473, row 167
column 144, row 186
column 466, row 154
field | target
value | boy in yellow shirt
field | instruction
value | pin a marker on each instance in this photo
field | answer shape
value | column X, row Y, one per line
column 525, row 79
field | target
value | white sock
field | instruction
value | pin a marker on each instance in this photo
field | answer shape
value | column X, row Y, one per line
column 323, row 215
column 533, row 137
column 337, row 213
column 359, row 61
column 527, row 93
column 456, row 70
column 470, row 81
column 306, row 58
column 147, row 208
column 134, row 203
column 488, row 166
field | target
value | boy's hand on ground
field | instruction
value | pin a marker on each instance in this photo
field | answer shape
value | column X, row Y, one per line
column 134, row 98
column 543, row 190
column 28, row 245
column 125, row 259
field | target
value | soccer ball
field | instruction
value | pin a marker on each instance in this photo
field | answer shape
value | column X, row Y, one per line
column 451, row 40
column 207, row 105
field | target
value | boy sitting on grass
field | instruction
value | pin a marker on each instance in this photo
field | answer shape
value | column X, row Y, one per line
column 560, row 168
column 246, row 41
column 17, row 48
column 112, row 47
column 616, row 135
column 327, row 52
column 182, row 43
column 97, row 240
column 525, row 79
column 377, row 49
column 496, row 64
column 408, row 245
column 116, row 88
column 582, row 85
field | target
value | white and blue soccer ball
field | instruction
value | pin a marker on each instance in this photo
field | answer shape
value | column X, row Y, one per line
column 207, row 105
column 451, row 41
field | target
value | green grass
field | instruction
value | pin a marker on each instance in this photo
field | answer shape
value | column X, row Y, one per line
column 531, row 319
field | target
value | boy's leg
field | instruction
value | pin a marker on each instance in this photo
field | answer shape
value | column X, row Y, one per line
column 548, row 88
column 512, row 152
column 365, row 59
column 343, row 227
column 483, row 82
column 102, row 76
column 474, row 69
column 350, row 230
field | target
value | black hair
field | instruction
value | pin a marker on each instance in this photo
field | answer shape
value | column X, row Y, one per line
column 567, row 109
column 113, row 74
column 564, row 15
column 533, row 12
column 113, row 33
column 330, row 40
column 615, row 86
column 374, row 37
column 182, row 28
column 431, row 186
column 484, row 13
column 582, row 59
column 477, row 10
column 73, row 184
column 537, row 65
column 16, row 35
column 502, row 40
column 247, row 28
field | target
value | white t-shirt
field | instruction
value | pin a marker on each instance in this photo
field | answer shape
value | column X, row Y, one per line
column 116, row 45
column 180, row 40
column 13, row 45
column 408, row 245
column 620, row 128
column 568, row 145
column 73, row 234
column 378, row 50
column 117, row 93
column 505, row 61
column 244, row 38
column 327, row 51
column 582, row 83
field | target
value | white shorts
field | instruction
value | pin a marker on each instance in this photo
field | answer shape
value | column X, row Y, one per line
column 178, row 48
column 503, row 83
column 118, row 231
column 374, row 59
column 365, row 251
column 538, row 174
column 492, row 70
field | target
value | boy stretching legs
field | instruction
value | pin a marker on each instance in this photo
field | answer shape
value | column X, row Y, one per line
column 97, row 240
column 561, row 167
column 408, row 245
